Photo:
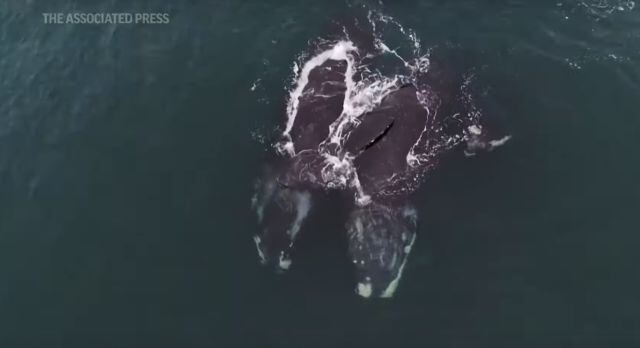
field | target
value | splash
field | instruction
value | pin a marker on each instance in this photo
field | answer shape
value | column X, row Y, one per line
column 340, row 51
column 366, row 87
column 373, row 66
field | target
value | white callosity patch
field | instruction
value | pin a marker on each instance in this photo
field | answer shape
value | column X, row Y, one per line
column 284, row 262
column 364, row 289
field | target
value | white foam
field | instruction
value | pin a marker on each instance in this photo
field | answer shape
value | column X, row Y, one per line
column 381, row 46
column 360, row 97
column 340, row 51
column 363, row 94
column 340, row 172
column 412, row 158
column 475, row 129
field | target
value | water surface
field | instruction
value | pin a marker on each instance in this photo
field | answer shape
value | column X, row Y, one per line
column 127, row 155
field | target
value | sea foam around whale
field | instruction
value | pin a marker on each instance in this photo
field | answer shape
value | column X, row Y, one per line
column 366, row 87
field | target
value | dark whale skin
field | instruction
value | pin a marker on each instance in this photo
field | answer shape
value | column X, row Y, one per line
column 406, row 119
column 391, row 148
column 320, row 105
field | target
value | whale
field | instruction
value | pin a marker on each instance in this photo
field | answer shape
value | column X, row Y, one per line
column 375, row 140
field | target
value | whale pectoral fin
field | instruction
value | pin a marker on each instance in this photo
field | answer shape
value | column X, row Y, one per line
column 380, row 239
column 281, row 212
column 478, row 140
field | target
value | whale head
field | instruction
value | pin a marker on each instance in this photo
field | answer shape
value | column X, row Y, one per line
column 380, row 240
column 280, row 211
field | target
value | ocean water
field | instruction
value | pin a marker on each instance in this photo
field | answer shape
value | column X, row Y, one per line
column 128, row 153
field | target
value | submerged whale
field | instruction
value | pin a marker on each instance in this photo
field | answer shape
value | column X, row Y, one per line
column 375, row 138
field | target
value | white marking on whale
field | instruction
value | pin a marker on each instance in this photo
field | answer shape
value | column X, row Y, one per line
column 391, row 289
column 283, row 262
column 364, row 289
column 257, row 241
column 332, row 166
column 303, row 205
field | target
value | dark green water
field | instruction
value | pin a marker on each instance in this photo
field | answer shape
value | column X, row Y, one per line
column 127, row 158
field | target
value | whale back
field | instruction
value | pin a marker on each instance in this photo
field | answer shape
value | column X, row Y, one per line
column 320, row 105
column 385, row 137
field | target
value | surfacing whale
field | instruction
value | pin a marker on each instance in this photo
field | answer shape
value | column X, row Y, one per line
column 371, row 136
